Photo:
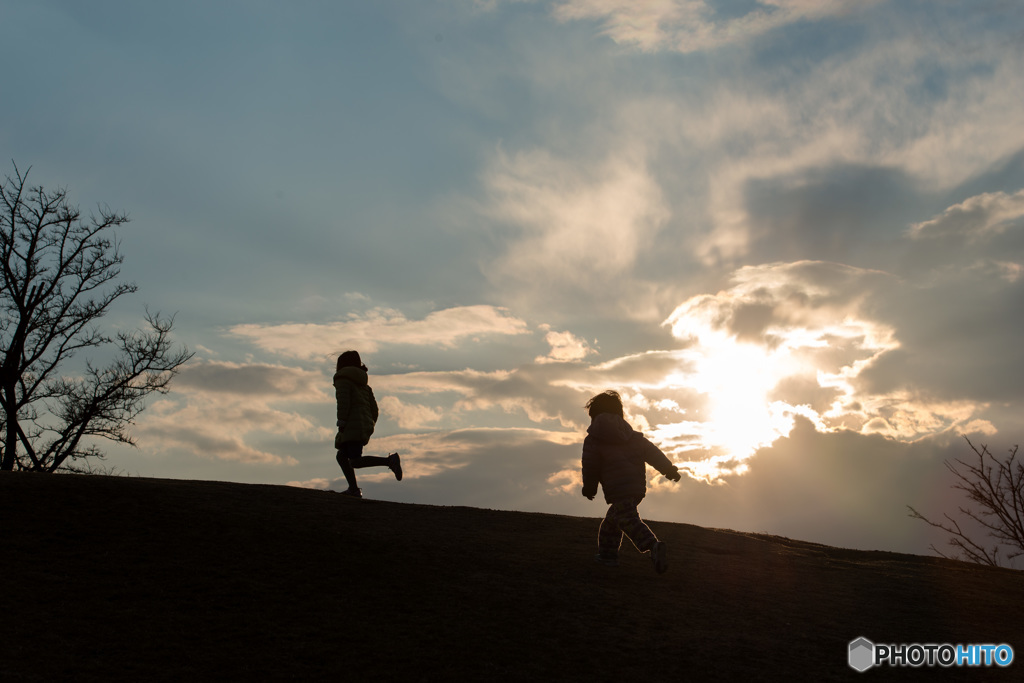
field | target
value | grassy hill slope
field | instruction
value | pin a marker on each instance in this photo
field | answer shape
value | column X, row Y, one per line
column 114, row 578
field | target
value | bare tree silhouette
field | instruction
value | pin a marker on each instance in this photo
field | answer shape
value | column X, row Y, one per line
column 58, row 276
column 997, row 487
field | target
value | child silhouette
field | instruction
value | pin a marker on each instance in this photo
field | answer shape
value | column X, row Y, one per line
column 615, row 456
column 357, row 416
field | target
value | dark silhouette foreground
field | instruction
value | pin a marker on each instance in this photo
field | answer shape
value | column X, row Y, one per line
column 127, row 579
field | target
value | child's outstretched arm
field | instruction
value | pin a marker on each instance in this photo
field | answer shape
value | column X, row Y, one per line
column 659, row 461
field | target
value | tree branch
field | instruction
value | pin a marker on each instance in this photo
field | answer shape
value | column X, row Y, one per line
column 997, row 488
column 59, row 277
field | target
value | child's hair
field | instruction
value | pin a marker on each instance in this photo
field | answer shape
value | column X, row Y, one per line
column 350, row 359
column 608, row 402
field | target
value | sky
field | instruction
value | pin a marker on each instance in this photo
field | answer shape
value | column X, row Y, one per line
column 789, row 232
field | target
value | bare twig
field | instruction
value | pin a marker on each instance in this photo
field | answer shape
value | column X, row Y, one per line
column 996, row 487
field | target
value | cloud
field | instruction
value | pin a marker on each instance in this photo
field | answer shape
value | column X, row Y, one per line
column 220, row 430
column 797, row 341
column 567, row 481
column 974, row 218
column 317, row 483
column 573, row 225
column 956, row 312
column 765, row 300
column 257, row 380
column 565, row 347
column 833, row 164
column 541, row 391
column 964, row 348
column 380, row 327
column 422, row 382
column 224, row 411
column 695, row 25
column 409, row 415
column 824, row 146
column 849, row 213
column 533, row 390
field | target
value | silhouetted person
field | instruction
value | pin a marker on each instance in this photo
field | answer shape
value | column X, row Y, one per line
column 357, row 415
column 615, row 456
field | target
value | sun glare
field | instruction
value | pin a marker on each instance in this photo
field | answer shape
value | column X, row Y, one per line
column 737, row 378
column 737, row 382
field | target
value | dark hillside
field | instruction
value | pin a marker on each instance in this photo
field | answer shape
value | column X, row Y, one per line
column 113, row 578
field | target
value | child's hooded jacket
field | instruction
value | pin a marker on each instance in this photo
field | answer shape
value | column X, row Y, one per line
column 357, row 408
column 614, row 455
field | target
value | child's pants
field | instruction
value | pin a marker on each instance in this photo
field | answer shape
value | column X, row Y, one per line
column 623, row 518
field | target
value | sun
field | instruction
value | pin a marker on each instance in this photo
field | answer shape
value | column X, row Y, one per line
column 737, row 381
column 782, row 342
column 737, row 378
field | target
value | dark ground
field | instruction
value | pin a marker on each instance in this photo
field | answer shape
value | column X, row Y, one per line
column 127, row 579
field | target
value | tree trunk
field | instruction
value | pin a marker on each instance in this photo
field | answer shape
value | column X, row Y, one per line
column 10, row 440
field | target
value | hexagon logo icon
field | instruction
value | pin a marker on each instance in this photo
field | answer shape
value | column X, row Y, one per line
column 862, row 654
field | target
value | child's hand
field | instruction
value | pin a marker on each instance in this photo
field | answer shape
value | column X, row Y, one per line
column 675, row 476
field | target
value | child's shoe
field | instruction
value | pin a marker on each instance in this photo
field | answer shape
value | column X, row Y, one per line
column 607, row 560
column 395, row 465
column 352, row 492
column 659, row 557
